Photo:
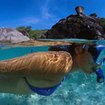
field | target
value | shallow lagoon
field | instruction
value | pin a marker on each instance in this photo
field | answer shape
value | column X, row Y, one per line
column 77, row 89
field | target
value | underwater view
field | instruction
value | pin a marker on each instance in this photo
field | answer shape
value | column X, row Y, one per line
column 77, row 89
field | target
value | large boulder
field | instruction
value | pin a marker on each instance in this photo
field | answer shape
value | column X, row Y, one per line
column 77, row 26
column 12, row 35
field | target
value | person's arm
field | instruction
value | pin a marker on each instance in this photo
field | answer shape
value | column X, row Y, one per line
column 37, row 63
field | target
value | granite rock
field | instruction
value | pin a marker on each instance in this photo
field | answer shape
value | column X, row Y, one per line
column 12, row 35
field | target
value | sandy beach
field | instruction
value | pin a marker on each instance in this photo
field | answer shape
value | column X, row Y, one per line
column 40, row 43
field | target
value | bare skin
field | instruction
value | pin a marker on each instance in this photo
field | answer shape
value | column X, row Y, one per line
column 45, row 69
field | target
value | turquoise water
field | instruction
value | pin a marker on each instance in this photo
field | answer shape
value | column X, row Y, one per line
column 77, row 89
column 7, row 53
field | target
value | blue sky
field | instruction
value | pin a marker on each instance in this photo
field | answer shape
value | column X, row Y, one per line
column 42, row 14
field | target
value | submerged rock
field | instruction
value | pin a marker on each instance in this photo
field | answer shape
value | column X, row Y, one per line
column 12, row 35
column 77, row 26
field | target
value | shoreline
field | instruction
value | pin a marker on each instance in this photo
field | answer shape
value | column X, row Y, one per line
column 38, row 43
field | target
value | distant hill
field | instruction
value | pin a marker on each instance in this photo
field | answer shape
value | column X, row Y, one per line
column 11, row 35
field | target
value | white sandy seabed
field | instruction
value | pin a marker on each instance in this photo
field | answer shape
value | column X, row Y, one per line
column 77, row 89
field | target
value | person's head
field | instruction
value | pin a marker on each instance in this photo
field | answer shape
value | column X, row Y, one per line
column 86, row 63
column 84, row 59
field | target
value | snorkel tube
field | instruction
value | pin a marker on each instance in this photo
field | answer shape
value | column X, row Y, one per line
column 100, row 75
column 99, row 71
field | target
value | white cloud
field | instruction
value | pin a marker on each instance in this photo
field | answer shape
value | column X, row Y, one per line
column 45, row 10
column 45, row 13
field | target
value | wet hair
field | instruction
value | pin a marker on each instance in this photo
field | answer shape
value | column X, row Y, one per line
column 67, row 48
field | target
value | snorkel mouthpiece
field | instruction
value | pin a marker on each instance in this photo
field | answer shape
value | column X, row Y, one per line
column 100, row 75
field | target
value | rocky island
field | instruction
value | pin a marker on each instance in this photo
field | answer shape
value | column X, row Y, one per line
column 77, row 26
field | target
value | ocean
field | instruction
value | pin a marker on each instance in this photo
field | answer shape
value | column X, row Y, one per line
column 77, row 89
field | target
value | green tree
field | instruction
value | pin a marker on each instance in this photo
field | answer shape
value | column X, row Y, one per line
column 24, row 30
column 36, row 34
column 28, row 31
column 102, row 23
column 93, row 15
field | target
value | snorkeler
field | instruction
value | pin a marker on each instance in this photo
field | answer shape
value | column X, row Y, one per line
column 43, row 72
column 94, row 50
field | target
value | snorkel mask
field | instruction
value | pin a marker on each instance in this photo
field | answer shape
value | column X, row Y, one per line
column 99, row 71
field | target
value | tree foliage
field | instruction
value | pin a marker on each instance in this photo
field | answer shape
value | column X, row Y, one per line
column 93, row 15
column 24, row 30
column 33, row 34
column 101, row 20
column 36, row 34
